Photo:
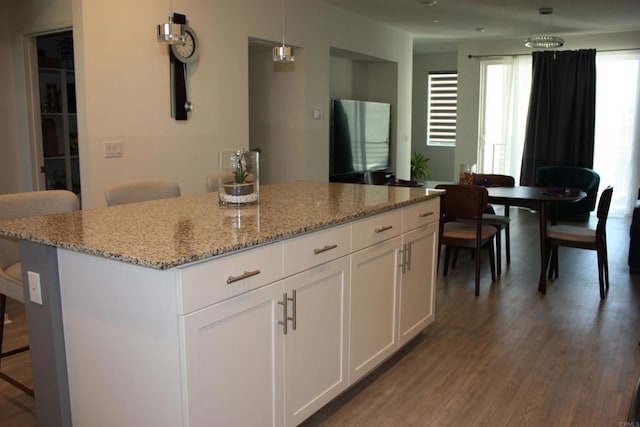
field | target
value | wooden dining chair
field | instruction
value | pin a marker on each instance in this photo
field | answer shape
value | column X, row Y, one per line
column 501, row 222
column 461, row 225
column 583, row 238
column 141, row 191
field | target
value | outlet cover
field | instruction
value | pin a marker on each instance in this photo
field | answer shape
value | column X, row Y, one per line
column 35, row 289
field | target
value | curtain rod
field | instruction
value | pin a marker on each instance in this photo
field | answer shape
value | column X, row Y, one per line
column 497, row 55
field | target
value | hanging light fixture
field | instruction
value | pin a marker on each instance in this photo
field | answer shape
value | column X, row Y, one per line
column 170, row 32
column 283, row 53
column 544, row 41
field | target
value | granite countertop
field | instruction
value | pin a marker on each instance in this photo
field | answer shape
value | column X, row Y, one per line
column 166, row 233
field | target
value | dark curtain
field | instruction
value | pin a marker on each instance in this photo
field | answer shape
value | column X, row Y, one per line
column 562, row 109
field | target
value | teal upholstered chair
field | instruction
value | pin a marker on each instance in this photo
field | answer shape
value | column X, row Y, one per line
column 585, row 179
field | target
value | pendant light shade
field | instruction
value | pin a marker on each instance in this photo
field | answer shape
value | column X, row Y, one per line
column 544, row 41
column 170, row 32
column 283, row 53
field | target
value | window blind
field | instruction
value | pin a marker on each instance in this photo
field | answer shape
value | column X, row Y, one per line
column 442, row 106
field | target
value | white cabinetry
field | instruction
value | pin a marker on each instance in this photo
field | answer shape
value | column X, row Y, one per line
column 392, row 283
column 233, row 356
column 420, row 249
column 234, row 361
column 316, row 350
column 269, row 355
column 375, row 281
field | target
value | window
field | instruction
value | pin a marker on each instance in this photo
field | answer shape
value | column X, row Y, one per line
column 505, row 87
column 442, row 105
column 504, row 95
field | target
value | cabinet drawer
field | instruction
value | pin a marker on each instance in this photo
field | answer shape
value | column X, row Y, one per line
column 420, row 214
column 209, row 282
column 302, row 253
column 372, row 230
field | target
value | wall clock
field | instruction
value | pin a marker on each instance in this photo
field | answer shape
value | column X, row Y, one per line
column 186, row 52
column 181, row 55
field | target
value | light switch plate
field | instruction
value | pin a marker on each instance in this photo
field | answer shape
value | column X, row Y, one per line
column 35, row 290
column 112, row 149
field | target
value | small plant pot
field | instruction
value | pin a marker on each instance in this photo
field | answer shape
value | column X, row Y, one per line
column 234, row 189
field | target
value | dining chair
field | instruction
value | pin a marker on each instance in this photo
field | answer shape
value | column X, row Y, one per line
column 141, row 191
column 583, row 238
column 20, row 205
column 501, row 222
column 460, row 204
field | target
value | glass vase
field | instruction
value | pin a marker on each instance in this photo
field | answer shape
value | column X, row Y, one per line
column 238, row 177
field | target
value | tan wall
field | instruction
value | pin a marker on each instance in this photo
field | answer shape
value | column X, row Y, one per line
column 122, row 84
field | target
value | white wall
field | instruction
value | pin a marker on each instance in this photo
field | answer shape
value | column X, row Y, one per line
column 441, row 158
column 122, row 83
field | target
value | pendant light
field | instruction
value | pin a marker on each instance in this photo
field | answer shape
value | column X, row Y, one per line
column 170, row 32
column 544, row 41
column 283, row 53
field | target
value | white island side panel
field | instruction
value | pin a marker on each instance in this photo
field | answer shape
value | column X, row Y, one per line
column 122, row 342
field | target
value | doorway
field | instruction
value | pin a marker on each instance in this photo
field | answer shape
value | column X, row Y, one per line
column 57, row 99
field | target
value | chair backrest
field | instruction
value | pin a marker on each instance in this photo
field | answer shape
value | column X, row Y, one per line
column 31, row 203
column 494, row 180
column 603, row 210
column 463, row 201
column 212, row 183
column 141, row 191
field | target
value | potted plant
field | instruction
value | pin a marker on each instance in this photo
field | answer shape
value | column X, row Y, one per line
column 419, row 167
column 238, row 176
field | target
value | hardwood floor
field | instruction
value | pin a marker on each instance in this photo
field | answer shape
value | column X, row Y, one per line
column 508, row 357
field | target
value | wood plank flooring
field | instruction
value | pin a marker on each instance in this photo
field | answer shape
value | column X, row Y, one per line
column 508, row 357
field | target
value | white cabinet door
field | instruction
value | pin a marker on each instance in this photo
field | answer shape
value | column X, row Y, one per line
column 375, row 277
column 316, row 350
column 417, row 291
column 233, row 361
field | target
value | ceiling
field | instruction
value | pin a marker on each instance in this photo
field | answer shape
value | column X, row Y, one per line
column 441, row 26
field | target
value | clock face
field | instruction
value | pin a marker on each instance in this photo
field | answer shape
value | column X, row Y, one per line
column 188, row 51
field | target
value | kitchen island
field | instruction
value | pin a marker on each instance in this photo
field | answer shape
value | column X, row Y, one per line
column 184, row 312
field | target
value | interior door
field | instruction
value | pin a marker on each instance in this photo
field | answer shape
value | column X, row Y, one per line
column 56, row 97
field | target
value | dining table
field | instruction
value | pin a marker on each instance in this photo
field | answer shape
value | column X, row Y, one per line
column 540, row 199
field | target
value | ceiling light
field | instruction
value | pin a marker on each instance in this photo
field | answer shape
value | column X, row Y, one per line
column 544, row 41
column 283, row 53
column 429, row 3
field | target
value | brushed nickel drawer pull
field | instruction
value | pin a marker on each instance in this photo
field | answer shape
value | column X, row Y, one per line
column 383, row 228
column 426, row 214
column 245, row 275
column 294, row 300
column 325, row 249
column 285, row 316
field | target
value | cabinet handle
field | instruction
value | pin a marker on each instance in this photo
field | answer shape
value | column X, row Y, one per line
column 383, row 228
column 408, row 260
column 426, row 214
column 294, row 318
column 402, row 258
column 325, row 249
column 245, row 275
column 285, row 316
